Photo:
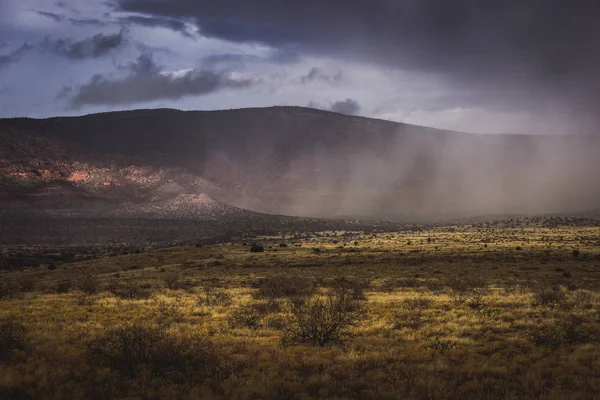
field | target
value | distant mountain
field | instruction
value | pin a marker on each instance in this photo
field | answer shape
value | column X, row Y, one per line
column 284, row 160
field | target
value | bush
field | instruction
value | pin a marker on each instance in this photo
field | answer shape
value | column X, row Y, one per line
column 89, row 285
column 323, row 320
column 245, row 316
column 51, row 267
column 411, row 314
column 560, row 332
column 441, row 345
column 545, row 296
column 355, row 286
column 27, row 285
column 7, row 290
column 130, row 350
column 470, row 292
column 63, row 287
column 255, row 248
column 172, row 282
column 168, row 313
column 284, row 286
column 12, row 337
column 214, row 297
column 131, row 291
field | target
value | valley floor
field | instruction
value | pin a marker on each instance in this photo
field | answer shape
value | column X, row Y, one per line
column 447, row 313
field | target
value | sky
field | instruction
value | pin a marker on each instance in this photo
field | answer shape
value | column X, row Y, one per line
column 483, row 66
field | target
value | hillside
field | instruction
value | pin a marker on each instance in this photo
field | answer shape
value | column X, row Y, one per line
column 286, row 160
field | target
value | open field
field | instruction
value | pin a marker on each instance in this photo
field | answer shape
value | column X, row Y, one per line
column 469, row 312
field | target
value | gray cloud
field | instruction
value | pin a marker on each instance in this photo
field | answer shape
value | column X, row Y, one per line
column 348, row 107
column 97, row 46
column 73, row 21
column 315, row 74
column 147, row 81
column 14, row 56
column 517, row 52
column 169, row 23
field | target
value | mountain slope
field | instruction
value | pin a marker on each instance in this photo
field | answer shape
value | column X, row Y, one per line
column 290, row 160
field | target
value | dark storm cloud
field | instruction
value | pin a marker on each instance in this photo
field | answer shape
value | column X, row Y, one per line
column 513, row 49
column 348, row 107
column 147, row 81
column 14, row 56
column 73, row 21
column 97, row 46
column 152, row 22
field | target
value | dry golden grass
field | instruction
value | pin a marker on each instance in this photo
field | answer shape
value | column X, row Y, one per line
column 449, row 313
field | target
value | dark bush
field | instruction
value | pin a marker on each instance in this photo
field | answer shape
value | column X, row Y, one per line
column 280, row 286
column 27, row 285
column 12, row 337
column 356, row 287
column 130, row 350
column 322, row 320
column 51, row 267
column 214, row 297
column 63, row 287
column 546, row 296
column 560, row 332
column 255, row 248
column 245, row 316
column 468, row 291
column 89, row 285
column 131, row 291
column 576, row 253
column 8, row 290
column 283, row 245
column 173, row 282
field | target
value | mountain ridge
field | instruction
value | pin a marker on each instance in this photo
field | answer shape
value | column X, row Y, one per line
column 299, row 161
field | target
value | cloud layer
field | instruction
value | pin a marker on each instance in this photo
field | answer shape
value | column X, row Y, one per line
column 147, row 81
column 514, row 52
column 97, row 46
column 479, row 66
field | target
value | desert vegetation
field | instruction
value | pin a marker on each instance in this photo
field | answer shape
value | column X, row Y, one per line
column 502, row 311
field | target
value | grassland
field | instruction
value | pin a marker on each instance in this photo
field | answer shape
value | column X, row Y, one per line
column 469, row 312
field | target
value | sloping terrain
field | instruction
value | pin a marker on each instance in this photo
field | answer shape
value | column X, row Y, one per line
column 182, row 206
column 286, row 160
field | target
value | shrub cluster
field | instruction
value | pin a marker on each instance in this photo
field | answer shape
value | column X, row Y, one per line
column 323, row 320
column 139, row 348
